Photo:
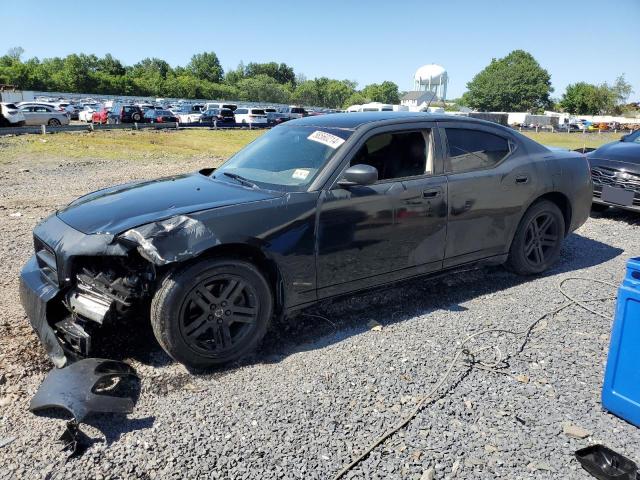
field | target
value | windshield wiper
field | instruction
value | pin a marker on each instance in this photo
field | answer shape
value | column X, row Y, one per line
column 241, row 179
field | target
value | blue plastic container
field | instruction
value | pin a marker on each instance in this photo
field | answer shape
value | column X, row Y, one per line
column 621, row 389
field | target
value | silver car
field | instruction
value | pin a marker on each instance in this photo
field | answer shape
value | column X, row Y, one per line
column 43, row 115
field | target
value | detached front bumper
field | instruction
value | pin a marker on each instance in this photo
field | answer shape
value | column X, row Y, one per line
column 35, row 295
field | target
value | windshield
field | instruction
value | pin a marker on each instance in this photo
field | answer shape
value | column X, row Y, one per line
column 287, row 157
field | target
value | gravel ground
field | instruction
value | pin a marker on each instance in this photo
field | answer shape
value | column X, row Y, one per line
column 325, row 384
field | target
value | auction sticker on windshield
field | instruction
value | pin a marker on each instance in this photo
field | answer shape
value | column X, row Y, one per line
column 300, row 174
column 327, row 139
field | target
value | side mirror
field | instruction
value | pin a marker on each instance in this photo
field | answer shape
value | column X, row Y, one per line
column 359, row 175
column 623, row 138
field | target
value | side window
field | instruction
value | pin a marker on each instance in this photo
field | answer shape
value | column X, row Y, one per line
column 474, row 149
column 398, row 155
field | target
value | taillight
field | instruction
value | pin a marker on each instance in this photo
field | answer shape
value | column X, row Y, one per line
column 122, row 114
column 159, row 119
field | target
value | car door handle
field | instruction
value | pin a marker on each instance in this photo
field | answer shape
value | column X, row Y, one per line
column 522, row 179
column 433, row 193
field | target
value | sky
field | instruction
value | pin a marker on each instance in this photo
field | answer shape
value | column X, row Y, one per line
column 366, row 41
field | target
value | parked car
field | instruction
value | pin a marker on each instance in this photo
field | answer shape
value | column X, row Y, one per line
column 294, row 112
column 230, row 106
column 615, row 170
column 315, row 208
column 223, row 115
column 123, row 113
column 11, row 116
column 250, row 116
column 159, row 116
column 44, row 115
column 101, row 115
column 86, row 114
column 276, row 118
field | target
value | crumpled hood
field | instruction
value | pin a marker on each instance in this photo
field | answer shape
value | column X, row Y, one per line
column 116, row 209
column 628, row 152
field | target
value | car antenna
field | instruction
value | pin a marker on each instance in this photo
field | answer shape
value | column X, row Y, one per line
column 433, row 95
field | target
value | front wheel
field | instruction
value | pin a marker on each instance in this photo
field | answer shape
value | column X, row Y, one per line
column 536, row 244
column 212, row 312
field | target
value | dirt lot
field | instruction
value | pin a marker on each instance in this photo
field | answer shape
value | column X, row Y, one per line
column 325, row 384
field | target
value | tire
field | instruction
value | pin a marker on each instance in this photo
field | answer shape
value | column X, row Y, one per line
column 54, row 122
column 537, row 242
column 136, row 117
column 201, row 307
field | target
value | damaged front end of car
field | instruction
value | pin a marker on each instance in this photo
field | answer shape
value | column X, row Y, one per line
column 76, row 283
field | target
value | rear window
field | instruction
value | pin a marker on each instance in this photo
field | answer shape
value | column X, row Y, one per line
column 225, row 112
column 297, row 110
column 10, row 105
column 257, row 112
column 242, row 110
column 474, row 149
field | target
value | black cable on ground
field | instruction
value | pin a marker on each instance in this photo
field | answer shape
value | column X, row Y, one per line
column 471, row 362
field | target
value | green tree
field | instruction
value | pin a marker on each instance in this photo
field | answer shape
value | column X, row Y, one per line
column 206, row 66
column 356, row 98
column 281, row 73
column 263, row 88
column 385, row 92
column 586, row 99
column 516, row 82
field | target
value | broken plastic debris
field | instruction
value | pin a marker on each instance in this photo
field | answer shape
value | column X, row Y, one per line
column 92, row 385
column 606, row 464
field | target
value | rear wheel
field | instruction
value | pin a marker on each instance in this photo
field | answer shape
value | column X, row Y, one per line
column 212, row 312
column 537, row 242
column 136, row 117
column 54, row 122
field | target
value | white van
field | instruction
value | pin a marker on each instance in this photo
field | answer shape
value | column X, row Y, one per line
column 250, row 115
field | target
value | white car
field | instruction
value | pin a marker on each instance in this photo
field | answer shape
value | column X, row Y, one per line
column 43, row 115
column 193, row 117
column 86, row 114
column 12, row 115
column 250, row 116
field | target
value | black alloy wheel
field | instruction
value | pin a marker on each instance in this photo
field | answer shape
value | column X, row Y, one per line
column 541, row 238
column 218, row 314
column 538, row 239
column 54, row 122
column 212, row 312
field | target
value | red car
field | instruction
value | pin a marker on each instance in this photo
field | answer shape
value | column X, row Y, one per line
column 100, row 116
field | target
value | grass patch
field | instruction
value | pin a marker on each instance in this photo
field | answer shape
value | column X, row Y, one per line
column 188, row 144
column 573, row 140
column 127, row 144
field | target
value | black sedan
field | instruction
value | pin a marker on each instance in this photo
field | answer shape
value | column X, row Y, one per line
column 159, row 116
column 615, row 169
column 315, row 208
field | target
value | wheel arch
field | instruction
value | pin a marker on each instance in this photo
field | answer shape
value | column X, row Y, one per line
column 563, row 203
column 559, row 199
column 254, row 255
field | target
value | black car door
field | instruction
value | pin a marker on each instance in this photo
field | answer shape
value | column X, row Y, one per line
column 489, row 183
column 395, row 228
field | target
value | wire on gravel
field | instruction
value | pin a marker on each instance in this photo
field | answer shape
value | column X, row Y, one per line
column 471, row 362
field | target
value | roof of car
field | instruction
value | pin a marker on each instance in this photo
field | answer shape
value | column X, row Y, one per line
column 354, row 120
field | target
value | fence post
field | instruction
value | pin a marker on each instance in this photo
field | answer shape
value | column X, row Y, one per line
column 215, row 124
column 250, row 125
column 43, row 129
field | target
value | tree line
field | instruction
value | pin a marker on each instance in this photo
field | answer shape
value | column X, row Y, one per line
column 203, row 77
column 516, row 82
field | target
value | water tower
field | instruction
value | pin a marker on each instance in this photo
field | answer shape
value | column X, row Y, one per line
column 431, row 78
